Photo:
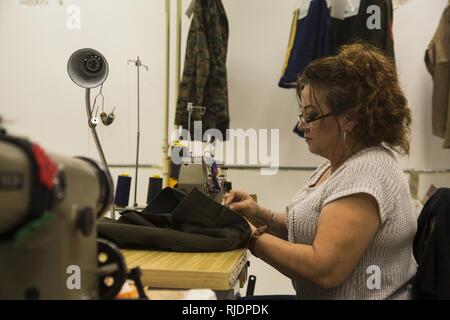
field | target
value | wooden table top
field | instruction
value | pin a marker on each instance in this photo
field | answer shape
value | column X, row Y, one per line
column 186, row 270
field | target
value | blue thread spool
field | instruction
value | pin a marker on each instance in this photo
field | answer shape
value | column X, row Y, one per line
column 123, row 190
column 154, row 187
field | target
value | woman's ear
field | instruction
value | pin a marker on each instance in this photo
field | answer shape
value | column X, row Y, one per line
column 349, row 123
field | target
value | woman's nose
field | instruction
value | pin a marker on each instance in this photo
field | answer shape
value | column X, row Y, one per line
column 301, row 126
column 299, row 131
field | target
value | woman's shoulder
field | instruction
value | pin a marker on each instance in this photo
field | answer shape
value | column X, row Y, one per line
column 378, row 151
column 374, row 170
column 377, row 165
column 375, row 159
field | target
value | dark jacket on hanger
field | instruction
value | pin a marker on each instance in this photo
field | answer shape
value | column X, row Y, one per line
column 173, row 221
column 437, row 59
column 432, row 248
column 355, row 28
column 309, row 40
column 204, row 81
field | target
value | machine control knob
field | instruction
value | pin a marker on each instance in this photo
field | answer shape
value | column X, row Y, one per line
column 85, row 221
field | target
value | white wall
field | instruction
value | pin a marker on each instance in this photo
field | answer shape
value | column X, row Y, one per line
column 414, row 26
column 43, row 103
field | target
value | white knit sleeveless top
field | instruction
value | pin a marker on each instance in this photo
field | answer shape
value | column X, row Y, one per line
column 388, row 263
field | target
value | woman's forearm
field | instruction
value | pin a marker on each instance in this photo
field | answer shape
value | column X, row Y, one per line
column 277, row 223
column 296, row 261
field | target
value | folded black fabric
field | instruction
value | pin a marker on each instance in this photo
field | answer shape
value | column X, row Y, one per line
column 135, row 218
column 165, row 201
column 178, row 222
column 199, row 210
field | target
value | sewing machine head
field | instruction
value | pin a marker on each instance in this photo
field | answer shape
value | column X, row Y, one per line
column 205, row 174
column 201, row 172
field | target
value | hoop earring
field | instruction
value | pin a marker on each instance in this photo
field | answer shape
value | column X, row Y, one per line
column 345, row 139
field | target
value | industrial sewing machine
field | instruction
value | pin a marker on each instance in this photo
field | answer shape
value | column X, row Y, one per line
column 202, row 172
column 48, row 240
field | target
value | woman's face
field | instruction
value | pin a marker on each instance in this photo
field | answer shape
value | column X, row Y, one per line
column 323, row 136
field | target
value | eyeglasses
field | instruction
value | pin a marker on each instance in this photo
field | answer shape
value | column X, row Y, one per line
column 311, row 118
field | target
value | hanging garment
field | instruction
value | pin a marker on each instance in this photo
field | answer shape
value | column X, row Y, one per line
column 204, row 81
column 309, row 40
column 437, row 60
column 351, row 29
column 432, row 248
column 178, row 222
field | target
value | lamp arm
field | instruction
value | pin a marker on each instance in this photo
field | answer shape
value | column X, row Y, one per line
column 94, row 132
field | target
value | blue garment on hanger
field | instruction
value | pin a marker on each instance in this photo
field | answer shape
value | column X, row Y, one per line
column 312, row 41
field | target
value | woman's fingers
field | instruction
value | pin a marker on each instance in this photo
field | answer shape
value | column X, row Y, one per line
column 238, row 206
column 228, row 198
column 233, row 196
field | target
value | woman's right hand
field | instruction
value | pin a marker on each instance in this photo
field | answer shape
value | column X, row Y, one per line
column 242, row 203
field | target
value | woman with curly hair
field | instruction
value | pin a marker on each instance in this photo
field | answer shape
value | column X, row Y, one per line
column 348, row 233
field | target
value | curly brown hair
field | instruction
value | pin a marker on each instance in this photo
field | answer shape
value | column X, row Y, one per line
column 361, row 80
